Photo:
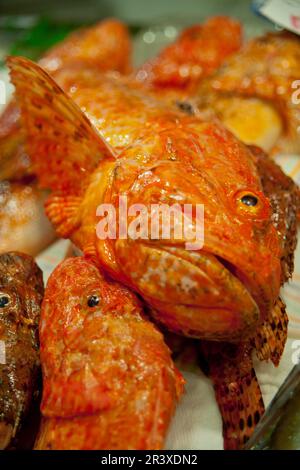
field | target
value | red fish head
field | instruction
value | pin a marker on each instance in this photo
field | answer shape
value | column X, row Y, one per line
column 226, row 286
column 94, row 340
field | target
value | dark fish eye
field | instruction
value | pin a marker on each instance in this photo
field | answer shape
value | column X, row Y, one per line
column 249, row 200
column 93, row 301
column 4, row 300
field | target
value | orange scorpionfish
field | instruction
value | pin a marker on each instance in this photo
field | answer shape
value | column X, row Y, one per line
column 108, row 378
column 107, row 139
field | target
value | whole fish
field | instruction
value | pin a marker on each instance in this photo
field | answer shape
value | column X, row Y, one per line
column 126, row 143
column 21, row 292
column 109, row 380
column 256, row 93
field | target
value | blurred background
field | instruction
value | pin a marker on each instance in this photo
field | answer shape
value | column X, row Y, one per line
column 28, row 27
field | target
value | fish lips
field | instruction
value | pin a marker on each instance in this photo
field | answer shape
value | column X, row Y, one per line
column 228, row 311
column 192, row 292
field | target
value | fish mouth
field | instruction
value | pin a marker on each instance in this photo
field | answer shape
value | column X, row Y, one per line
column 262, row 297
column 247, row 302
column 213, row 294
column 200, row 294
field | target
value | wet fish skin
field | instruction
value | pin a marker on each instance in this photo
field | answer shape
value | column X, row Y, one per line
column 21, row 292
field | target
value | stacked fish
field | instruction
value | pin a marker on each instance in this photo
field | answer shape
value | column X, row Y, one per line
column 192, row 126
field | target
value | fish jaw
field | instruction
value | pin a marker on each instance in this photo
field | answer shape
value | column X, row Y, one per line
column 6, row 434
column 191, row 293
column 261, row 279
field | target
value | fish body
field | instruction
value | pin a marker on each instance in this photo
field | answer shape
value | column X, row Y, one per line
column 255, row 92
column 21, row 291
column 108, row 378
column 195, row 54
column 154, row 154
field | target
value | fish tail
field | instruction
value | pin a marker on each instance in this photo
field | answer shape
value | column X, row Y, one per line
column 237, row 390
column 270, row 337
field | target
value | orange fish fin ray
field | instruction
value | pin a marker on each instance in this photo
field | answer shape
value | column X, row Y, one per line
column 270, row 337
column 63, row 211
column 237, row 390
column 64, row 145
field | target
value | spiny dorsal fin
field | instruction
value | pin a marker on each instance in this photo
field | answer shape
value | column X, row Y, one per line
column 62, row 142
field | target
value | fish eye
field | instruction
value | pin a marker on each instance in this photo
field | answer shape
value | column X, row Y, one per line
column 249, row 200
column 4, row 300
column 93, row 301
column 252, row 204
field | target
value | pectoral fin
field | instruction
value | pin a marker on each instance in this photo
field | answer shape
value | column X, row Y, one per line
column 270, row 337
column 63, row 144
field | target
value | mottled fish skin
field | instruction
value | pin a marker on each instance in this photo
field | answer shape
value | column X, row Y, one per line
column 21, row 292
column 23, row 222
column 156, row 152
column 108, row 378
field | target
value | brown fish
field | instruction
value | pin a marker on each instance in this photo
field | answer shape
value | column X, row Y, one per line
column 21, row 292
